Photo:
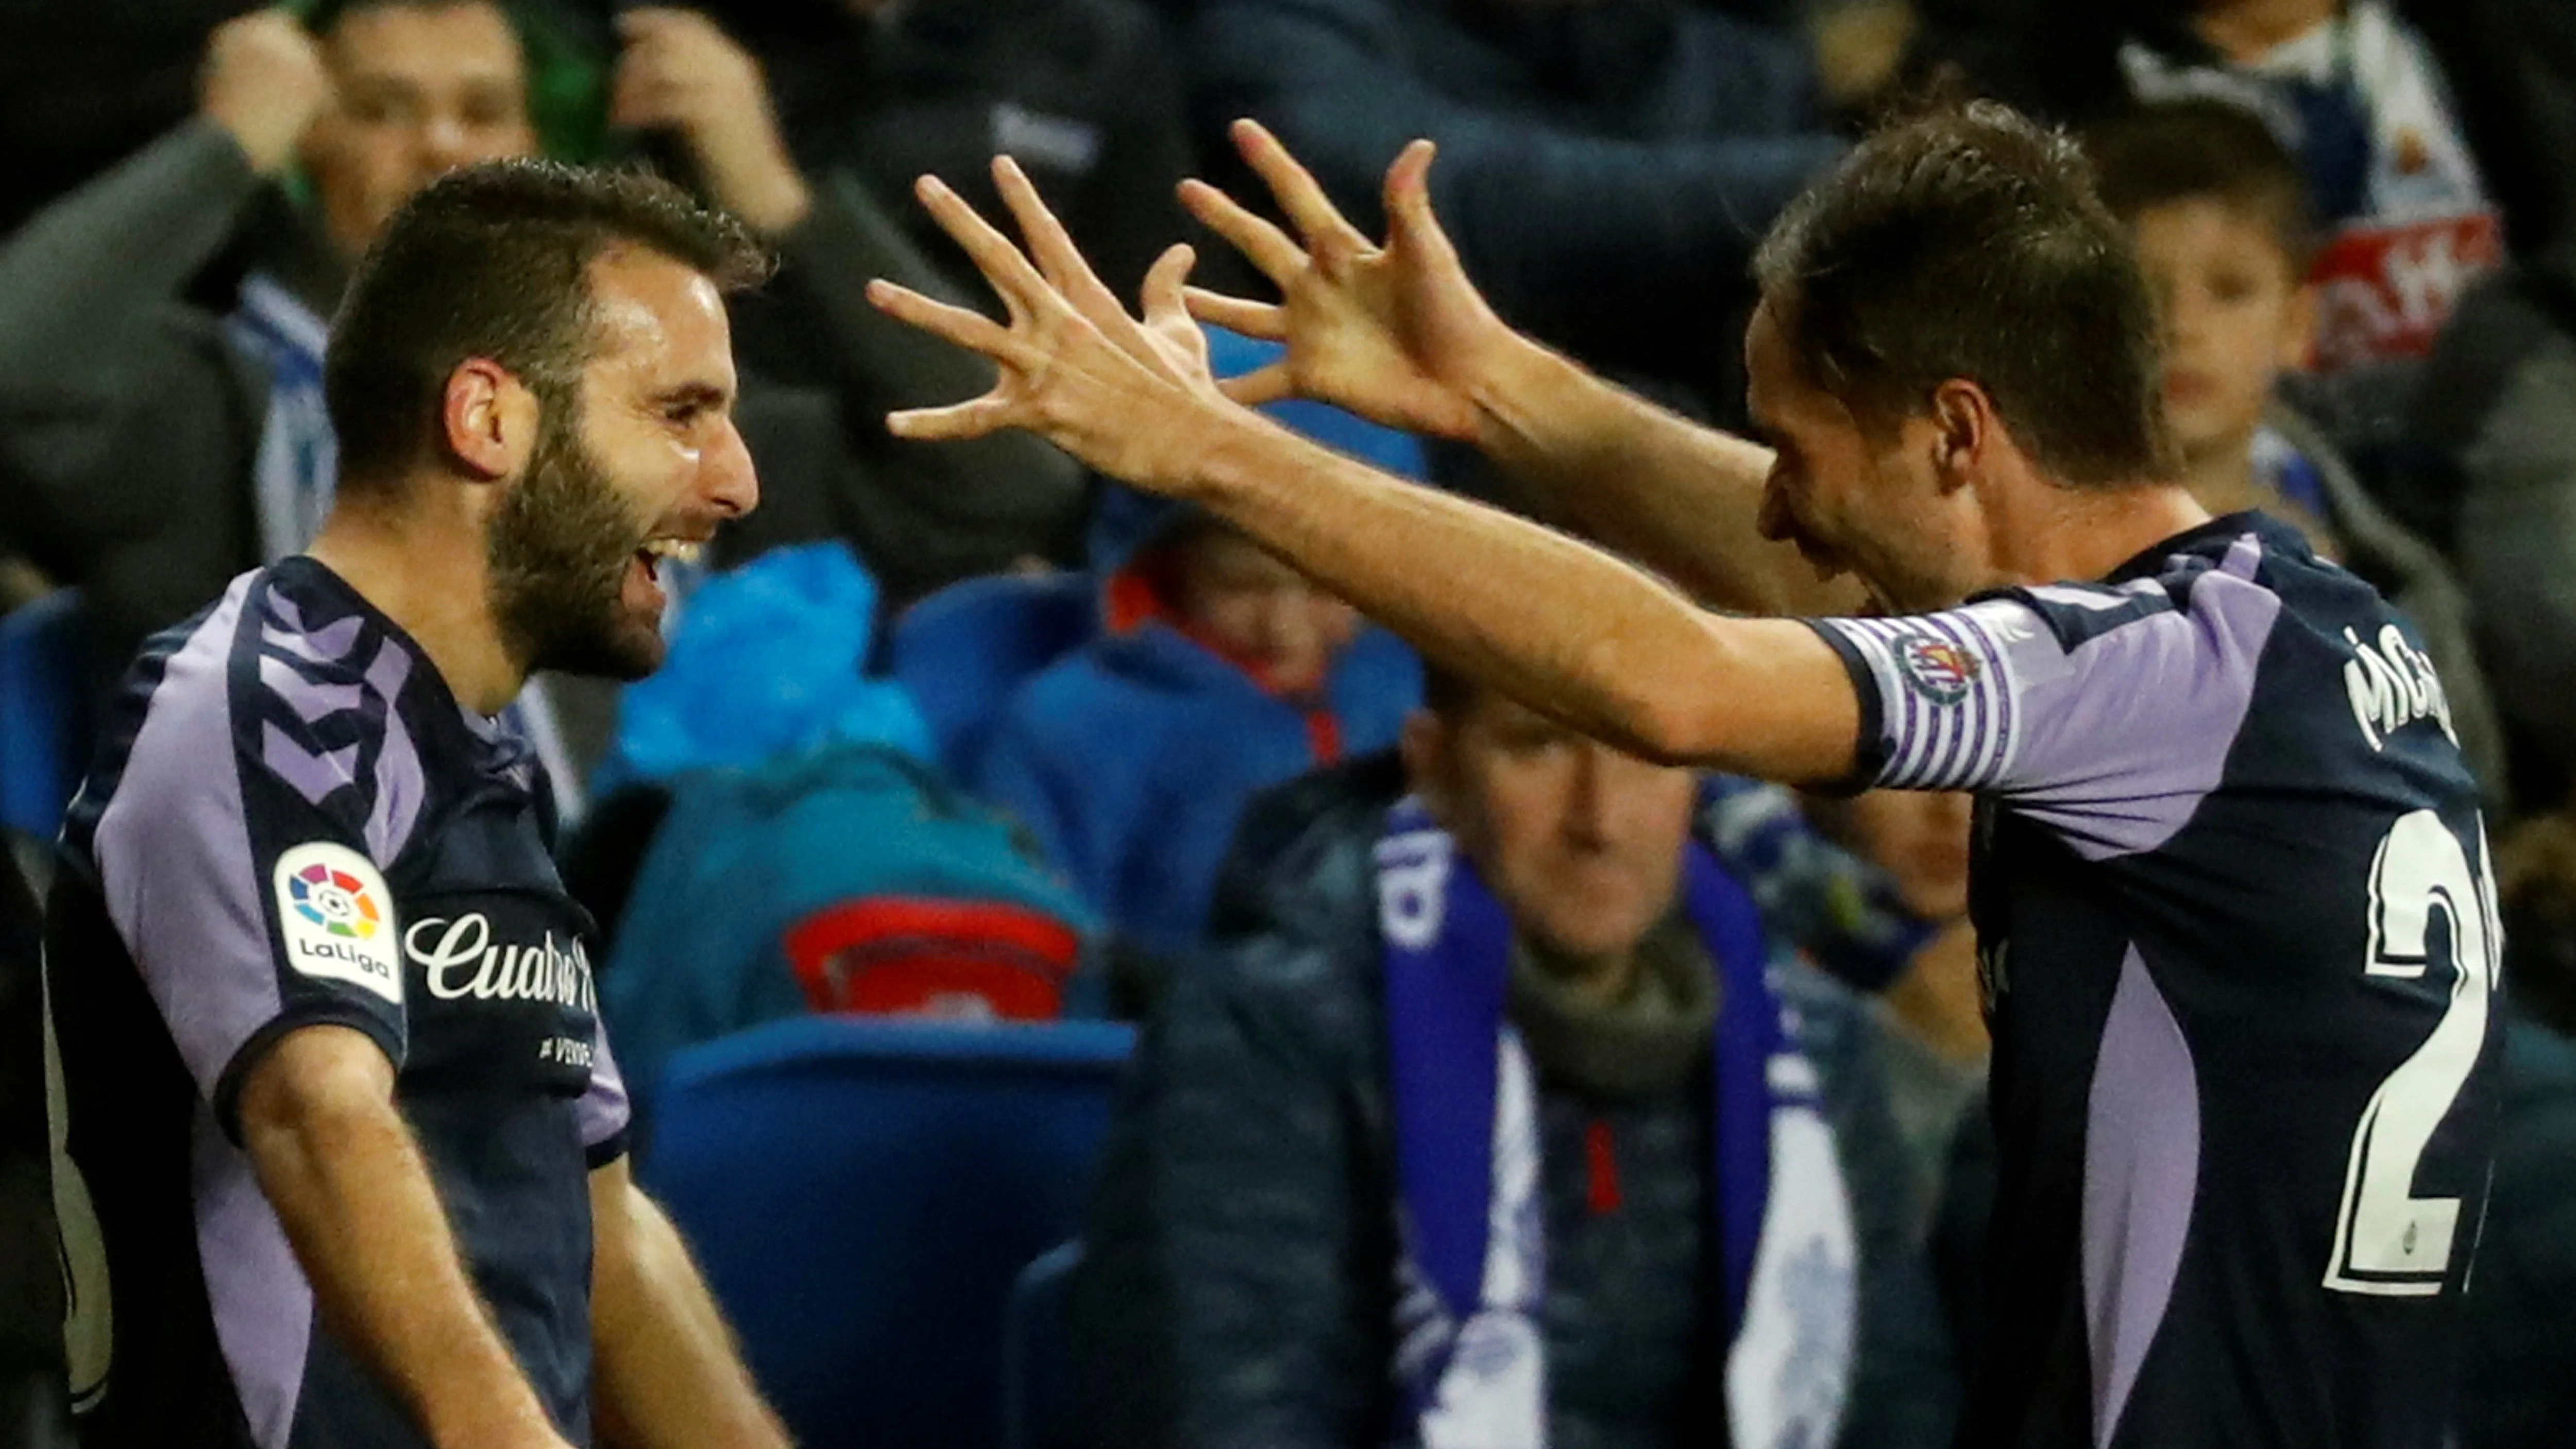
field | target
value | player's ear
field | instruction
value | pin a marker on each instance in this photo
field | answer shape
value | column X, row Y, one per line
column 487, row 420
column 1963, row 424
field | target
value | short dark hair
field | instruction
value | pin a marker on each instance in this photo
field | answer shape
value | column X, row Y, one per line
column 1967, row 242
column 2204, row 149
column 493, row 261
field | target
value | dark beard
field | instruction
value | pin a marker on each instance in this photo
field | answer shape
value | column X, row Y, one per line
column 558, row 549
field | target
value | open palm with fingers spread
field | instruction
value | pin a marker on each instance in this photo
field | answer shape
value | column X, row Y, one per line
column 1131, row 397
column 1395, row 333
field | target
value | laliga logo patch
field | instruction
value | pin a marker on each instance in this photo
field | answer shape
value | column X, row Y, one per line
column 336, row 918
column 335, row 900
column 1940, row 671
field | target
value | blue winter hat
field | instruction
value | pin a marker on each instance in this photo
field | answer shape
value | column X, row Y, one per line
column 769, row 660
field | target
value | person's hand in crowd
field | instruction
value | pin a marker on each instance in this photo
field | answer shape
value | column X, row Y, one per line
column 263, row 82
column 1395, row 333
column 1132, row 398
column 681, row 73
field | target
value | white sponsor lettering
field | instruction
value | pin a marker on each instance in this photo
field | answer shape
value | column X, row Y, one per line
column 2392, row 685
column 336, row 918
column 460, row 960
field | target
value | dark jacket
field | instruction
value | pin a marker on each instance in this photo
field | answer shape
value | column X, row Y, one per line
column 2494, row 403
column 129, row 422
column 1605, row 169
column 1239, row 1278
column 1083, row 93
column 2520, row 1389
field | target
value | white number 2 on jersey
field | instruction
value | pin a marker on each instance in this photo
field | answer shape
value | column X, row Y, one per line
column 2387, row 1240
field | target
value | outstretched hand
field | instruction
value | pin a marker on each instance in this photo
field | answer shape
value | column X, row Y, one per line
column 1395, row 333
column 1130, row 397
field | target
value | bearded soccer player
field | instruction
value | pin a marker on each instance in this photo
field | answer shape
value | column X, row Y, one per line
column 344, row 1141
column 2231, row 886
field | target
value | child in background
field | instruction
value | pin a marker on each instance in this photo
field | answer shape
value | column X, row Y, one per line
column 2404, row 219
column 1218, row 671
column 2220, row 216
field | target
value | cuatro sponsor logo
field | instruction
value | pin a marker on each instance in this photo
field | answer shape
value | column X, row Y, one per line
column 459, row 959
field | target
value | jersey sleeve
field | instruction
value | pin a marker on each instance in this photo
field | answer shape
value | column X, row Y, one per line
column 2105, row 713
column 244, row 851
column 603, row 1110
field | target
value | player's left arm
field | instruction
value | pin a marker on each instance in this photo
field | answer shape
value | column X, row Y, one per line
column 665, row 1372
column 1611, row 650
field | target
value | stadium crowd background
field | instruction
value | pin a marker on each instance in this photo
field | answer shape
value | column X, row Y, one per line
column 963, row 733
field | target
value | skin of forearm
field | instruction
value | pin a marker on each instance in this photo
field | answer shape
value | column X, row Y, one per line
column 666, row 1372
column 1596, row 642
column 1684, row 498
column 355, row 1197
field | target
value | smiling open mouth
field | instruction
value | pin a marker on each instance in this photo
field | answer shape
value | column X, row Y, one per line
column 678, row 550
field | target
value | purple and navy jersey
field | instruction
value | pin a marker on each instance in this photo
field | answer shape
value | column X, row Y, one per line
column 2239, row 944
column 293, row 823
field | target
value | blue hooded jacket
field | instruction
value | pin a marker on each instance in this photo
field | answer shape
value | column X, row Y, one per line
column 1132, row 757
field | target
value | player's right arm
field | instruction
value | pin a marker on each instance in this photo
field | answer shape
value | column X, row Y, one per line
column 243, row 858
column 352, row 1191
column 1398, row 334
column 1585, row 637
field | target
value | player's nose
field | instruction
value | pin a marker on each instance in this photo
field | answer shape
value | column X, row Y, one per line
column 726, row 475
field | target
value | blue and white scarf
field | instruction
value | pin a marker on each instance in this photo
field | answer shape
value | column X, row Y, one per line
column 299, row 455
column 1472, row 1353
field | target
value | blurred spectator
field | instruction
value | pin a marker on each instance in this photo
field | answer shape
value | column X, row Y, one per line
column 2497, row 398
column 1218, row 671
column 2512, row 67
column 1847, row 915
column 699, row 101
column 2222, row 227
column 1605, row 167
column 2408, row 221
column 161, row 330
column 2354, row 91
column 1469, row 1129
column 1084, row 93
column 1933, row 1014
column 798, row 851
